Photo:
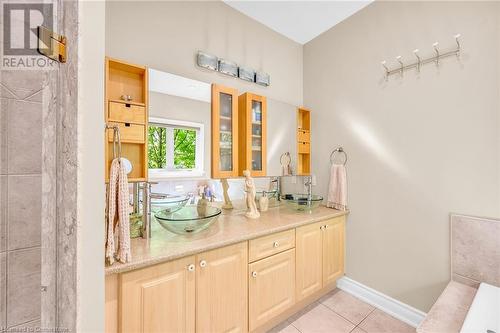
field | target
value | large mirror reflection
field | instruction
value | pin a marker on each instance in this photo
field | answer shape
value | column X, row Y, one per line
column 180, row 131
column 193, row 143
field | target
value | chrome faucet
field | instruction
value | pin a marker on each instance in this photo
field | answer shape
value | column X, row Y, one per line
column 145, row 199
column 309, row 183
column 277, row 180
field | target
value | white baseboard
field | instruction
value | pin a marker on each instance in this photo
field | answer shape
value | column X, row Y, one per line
column 389, row 305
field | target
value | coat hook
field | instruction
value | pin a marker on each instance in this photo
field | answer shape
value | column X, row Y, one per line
column 457, row 39
column 398, row 58
column 419, row 61
column 435, row 45
column 386, row 69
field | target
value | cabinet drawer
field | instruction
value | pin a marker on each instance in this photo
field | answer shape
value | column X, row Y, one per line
column 127, row 113
column 303, row 136
column 304, row 148
column 268, row 245
column 129, row 133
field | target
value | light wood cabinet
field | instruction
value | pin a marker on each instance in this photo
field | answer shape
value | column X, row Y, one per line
column 252, row 134
column 208, row 292
column 159, row 298
column 271, row 288
column 333, row 250
column 248, row 286
column 309, row 259
column 222, row 290
column 224, row 132
column 320, row 255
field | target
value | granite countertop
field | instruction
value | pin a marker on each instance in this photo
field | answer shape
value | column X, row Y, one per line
column 228, row 229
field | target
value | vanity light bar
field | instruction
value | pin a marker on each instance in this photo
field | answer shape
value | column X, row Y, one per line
column 246, row 74
column 228, row 67
column 231, row 68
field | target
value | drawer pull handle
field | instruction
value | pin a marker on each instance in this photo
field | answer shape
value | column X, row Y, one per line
column 254, row 274
column 276, row 244
column 203, row 263
column 127, row 124
column 127, row 105
column 191, row 268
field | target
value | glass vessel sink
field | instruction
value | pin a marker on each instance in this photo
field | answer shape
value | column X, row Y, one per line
column 188, row 219
column 270, row 194
column 169, row 203
column 302, row 202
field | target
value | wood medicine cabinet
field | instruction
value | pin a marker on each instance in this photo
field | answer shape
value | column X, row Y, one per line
column 252, row 134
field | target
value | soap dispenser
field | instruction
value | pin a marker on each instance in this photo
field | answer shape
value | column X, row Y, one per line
column 264, row 202
column 201, row 207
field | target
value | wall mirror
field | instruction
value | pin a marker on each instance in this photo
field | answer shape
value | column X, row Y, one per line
column 179, row 134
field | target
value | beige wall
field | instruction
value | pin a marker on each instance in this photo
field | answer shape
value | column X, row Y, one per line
column 166, row 35
column 419, row 147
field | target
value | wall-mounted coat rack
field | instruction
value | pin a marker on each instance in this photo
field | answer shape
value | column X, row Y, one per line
column 422, row 61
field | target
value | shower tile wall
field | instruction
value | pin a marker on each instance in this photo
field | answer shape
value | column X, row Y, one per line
column 20, row 197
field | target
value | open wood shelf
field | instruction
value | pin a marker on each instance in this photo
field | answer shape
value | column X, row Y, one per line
column 126, row 79
column 303, row 141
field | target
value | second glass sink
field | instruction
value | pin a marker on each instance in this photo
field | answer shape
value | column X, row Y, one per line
column 302, row 202
column 170, row 203
column 187, row 220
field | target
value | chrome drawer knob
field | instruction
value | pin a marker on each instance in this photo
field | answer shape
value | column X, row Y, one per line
column 276, row 244
column 203, row 263
column 254, row 274
column 191, row 268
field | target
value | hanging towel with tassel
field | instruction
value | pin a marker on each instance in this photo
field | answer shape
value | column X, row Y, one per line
column 118, row 223
column 337, row 188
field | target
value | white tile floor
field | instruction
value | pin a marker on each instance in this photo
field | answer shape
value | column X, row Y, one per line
column 340, row 312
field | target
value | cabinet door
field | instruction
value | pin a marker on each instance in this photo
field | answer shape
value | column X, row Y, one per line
column 252, row 134
column 309, row 259
column 333, row 250
column 160, row 298
column 222, row 290
column 224, row 132
column 271, row 287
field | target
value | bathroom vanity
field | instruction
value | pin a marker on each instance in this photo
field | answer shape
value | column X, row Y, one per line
column 239, row 275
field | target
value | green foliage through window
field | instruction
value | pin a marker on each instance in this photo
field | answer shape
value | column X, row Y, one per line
column 157, row 139
column 184, row 147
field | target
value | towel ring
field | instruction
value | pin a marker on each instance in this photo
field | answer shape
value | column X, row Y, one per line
column 339, row 150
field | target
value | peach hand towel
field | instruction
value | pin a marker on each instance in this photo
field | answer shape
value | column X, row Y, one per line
column 337, row 188
column 118, row 204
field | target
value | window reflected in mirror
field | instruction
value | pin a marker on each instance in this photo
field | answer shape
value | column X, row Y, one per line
column 175, row 148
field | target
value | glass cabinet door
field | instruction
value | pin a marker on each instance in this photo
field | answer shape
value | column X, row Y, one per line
column 256, row 135
column 252, row 134
column 224, row 135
